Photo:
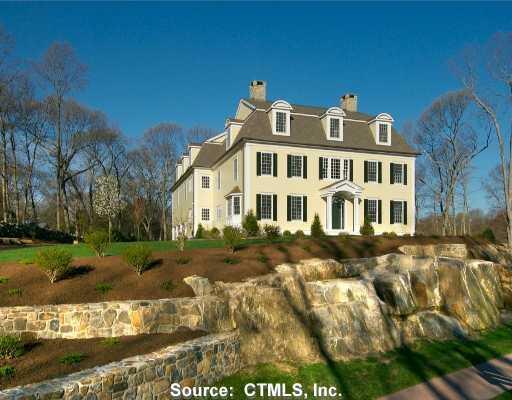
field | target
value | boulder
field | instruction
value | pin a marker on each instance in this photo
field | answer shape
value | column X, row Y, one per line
column 395, row 290
column 200, row 285
column 431, row 325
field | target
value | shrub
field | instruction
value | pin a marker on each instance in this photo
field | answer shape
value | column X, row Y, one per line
column 15, row 292
column 233, row 236
column 3, row 279
column 34, row 231
column 317, row 231
column 287, row 234
column 118, row 236
column 72, row 358
column 231, row 260
column 181, row 241
column 183, row 260
column 7, row 372
column 138, row 257
column 168, row 285
column 110, row 341
column 300, row 234
column 390, row 234
column 367, row 228
column 97, row 241
column 272, row 232
column 214, row 233
column 250, row 224
column 103, row 287
column 488, row 235
column 262, row 258
column 306, row 248
column 10, row 346
column 200, row 234
column 54, row 262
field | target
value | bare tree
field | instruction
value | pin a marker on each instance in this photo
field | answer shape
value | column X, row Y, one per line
column 198, row 134
column 449, row 143
column 487, row 75
column 61, row 72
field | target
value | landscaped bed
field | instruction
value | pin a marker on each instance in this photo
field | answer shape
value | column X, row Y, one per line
column 47, row 359
column 97, row 279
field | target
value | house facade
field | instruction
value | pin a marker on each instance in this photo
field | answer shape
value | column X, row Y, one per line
column 288, row 162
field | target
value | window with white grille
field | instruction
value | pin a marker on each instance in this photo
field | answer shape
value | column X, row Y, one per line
column 372, row 210
column 205, row 214
column 346, row 172
column 383, row 133
column 325, row 168
column 296, row 166
column 335, row 128
column 398, row 173
column 219, row 213
column 280, row 122
column 266, row 206
column 205, row 182
column 398, row 212
column 372, row 171
column 266, row 163
column 335, row 168
column 296, row 208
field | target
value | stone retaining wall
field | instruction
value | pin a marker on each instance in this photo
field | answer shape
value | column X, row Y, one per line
column 198, row 362
column 116, row 318
column 456, row 250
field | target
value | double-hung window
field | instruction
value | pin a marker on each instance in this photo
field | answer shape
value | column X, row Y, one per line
column 372, row 171
column 266, row 206
column 280, row 122
column 383, row 133
column 346, row 171
column 398, row 173
column 334, row 132
column 372, row 210
column 236, row 205
column 296, row 166
column 219, row 213
column 266, row 163
column 205, row 214
column 335, row 168
column 398, row 212
column 205, row 182
column 296, row 208
column 324, row 168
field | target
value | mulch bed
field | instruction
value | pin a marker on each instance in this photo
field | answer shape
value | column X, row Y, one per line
column 255, row 260
column 42, row 359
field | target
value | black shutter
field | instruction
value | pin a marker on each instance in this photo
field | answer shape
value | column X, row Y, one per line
column 380, row 171
column 258, row 207
column 391, row 212
column 258, row 163
column 405, row 213
column 365, row 209
column 380, row 211
column 274, row 207
column 274, row 163
column 288, row 208
column 351, row 173
column 391, row 174
column 288, row 166
column 365, row 171
column 405, row 174
column 305, row 167
column 320, row 170
column 305, row 208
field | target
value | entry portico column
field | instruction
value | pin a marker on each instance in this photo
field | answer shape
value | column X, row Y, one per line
column 356, row 215
column 328, row 220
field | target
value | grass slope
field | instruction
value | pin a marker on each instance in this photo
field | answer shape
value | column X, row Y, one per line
column 390, row 372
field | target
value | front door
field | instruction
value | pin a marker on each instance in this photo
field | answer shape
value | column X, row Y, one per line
column 337, row 213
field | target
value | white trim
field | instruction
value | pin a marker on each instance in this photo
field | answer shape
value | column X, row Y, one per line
column 376, row 208
column 271, row 163
column 413, row 205
column 271, row 205
column 247, row 177
column 376, row 172
column 237, row 175
column 301, row 219
column 377, row 132
column 402, row 202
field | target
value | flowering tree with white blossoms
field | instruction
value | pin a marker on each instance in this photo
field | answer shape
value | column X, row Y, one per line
column 107, row 199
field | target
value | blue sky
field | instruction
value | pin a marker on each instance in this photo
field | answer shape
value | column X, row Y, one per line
column 190, row 63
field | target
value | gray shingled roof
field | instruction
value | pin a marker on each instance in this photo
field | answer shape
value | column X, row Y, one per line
column 306, row 130
column 208, row 154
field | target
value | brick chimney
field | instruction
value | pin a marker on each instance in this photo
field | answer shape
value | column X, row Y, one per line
column 349, row 102
column 258, row 90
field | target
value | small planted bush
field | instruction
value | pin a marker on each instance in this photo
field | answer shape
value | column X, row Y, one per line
column 97, row 241
column 10, row 346
column 168, row 285
column 367, row 228
column 103, row 287
column 138, row 257
column 317, row 231
column 300, row 234
column 231, row 260
column 272, row 232
column 54, row 262
column 287, row 234
column 250, row 224
column 3, row 279
column 200, row 233
column 110, row 341
column 488, row 235
column 7, row 372
column 72, row 358
column 214, row 233
column 181, row 241
column 233, row 237
column 15, row 292
column 183, row 260
column 262, row 258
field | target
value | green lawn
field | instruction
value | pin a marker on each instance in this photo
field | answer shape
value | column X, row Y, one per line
column 376, row 376
column 81, row 250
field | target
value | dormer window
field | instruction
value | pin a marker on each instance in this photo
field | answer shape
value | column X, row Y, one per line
column 383, row 133
column 279, row 113
column 280, row 122
column 335, row 128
